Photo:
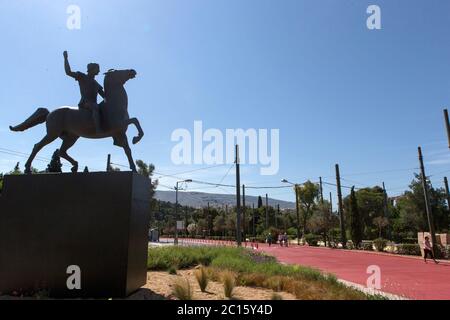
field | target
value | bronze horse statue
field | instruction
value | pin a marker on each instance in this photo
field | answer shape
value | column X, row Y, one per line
column 71, row 124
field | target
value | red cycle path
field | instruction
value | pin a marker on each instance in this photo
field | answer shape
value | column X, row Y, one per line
column 403, row 276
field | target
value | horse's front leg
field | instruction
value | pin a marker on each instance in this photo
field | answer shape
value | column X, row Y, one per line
column 136, row 123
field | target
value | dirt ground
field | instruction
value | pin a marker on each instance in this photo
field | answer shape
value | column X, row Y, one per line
column 159, row 286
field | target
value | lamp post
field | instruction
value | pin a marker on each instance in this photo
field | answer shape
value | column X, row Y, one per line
column 176, row 208
column 296, row 208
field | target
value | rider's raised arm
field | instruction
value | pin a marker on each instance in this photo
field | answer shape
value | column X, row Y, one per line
column 69, row 72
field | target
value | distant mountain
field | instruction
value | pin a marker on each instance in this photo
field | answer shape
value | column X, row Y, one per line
column 199, row 199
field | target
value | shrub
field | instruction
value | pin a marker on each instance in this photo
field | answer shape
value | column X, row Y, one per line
column 276, row 296
column 312, row 239
column 410, row 241
column 350, row 245
column 409, row 249
column 228, row 279
column 182, row 289
column 442, row 252
column 172, row 270
column 202, row 278
column 380, row 244
column 367, row 246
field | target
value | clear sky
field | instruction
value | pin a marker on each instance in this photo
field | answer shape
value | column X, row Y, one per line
column 338, row 92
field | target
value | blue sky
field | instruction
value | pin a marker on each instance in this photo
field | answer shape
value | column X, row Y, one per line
column 338, row 92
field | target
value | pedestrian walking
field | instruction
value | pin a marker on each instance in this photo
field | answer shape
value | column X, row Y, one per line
column 428, row 250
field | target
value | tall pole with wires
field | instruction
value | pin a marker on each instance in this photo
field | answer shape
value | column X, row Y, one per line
column 341, row 208
column 321, row 190
column 208, row 220
column 331, row 219
column 385, row 201
column 267, row 211
column 238, row 199
column 427, row 201
column 447, row 193
column 447, row 125
column 253, row 221
column 277, row 215
column 244, row 209
column 176, row 215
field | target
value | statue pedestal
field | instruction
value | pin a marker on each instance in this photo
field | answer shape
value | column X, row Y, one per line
column 95, row 221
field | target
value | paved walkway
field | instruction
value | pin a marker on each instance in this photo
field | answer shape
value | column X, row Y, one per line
column 403, row 276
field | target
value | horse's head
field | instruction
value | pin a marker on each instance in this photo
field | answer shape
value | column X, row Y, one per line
column 118, row 77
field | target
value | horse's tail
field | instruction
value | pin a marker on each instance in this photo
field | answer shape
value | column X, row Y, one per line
column 40, row 116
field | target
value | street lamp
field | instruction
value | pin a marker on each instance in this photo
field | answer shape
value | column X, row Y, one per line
column 296, row 207
column 176, row 208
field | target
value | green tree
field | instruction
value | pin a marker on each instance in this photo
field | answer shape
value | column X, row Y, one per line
column 55, row 163
column 307, row 194
column 356, row 227
column 380, row 222
column 219, row 224
column 411, row 213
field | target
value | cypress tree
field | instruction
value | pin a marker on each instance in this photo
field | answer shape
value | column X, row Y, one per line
column 55, row 164
column 356, row 231
column 260, row 202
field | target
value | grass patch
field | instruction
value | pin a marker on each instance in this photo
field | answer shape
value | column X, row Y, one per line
column 255, row 270
column 172, row 270
column 202, row 278
column 229, row 282
column 182, row 289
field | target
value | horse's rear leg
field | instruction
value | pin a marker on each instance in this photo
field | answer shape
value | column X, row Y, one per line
column 37, row 147
column 68, row 142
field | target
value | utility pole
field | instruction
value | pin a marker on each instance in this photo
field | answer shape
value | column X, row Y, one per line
column 267, row 211
column 108, row 163
column 427, row 201
column 175, row 242
column 341, row 208
column 385, row 206
column 238, row 199
column 331, row 217
column 385, row 201
column 185, row 220
column 209, row 221
column 277, row 215
column 447, row 126
column 253, row 218
column 176, row 208
column 297, row 209
column 331, row 203
column 447, row 193
column 244, row 209
column 226, row 214
column 321, row 190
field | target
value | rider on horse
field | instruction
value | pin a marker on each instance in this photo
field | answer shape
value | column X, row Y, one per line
column 89, row 88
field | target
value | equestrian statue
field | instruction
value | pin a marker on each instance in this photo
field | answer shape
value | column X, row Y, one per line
column 91, row 120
